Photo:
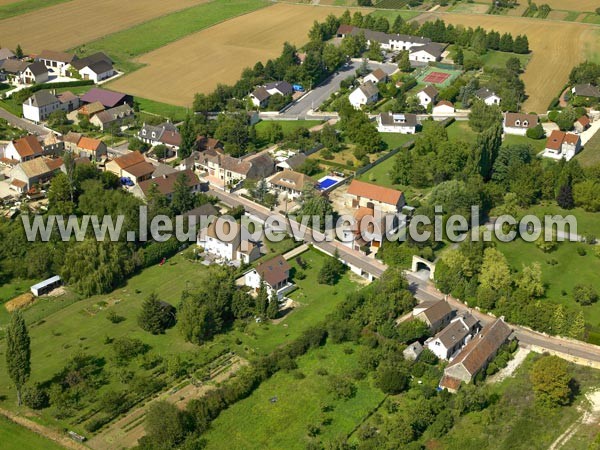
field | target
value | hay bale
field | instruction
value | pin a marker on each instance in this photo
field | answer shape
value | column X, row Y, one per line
column 19, row 302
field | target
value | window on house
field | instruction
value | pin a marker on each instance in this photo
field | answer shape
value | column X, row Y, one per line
column 517, row 122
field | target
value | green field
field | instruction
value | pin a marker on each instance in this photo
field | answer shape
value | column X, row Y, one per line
column 24, row 6
column 395, row 140
column 173, row 112
column 123, row 46
column 287, row 127
column 495, row 58
column 560, row 278
column 592, row 18
column 590, row 156
column 256, row 423
column 587, row 222
column 461, row 131
column 16, row 437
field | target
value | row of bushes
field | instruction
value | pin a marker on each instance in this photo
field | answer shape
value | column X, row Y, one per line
column 24, row 94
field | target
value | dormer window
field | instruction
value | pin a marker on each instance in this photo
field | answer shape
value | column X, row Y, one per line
column 525, row 123
column 143, row 132
column 153, row 134
column 517, row 122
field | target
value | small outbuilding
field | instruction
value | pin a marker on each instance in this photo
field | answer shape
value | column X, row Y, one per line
column 46, row 286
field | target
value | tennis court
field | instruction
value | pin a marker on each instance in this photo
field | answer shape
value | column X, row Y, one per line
column 441, row 77
column 436, row 77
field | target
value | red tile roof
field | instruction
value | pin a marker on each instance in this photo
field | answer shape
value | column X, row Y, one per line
column 88, row 143
column 28, row 146
column 375, row 192
column 129, row 159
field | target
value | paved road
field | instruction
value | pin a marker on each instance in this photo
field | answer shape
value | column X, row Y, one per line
column 315, row 98
column 22, row 123
column 425, row 289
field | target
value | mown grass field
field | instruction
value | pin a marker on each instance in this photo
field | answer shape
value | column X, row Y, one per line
column 391, row 14
column 590, row 156
column 125, row 45
column 562, row 270
column 16, row 437
column 198, row 62
column 69, row 24
column 257, row 423
column 587, row 222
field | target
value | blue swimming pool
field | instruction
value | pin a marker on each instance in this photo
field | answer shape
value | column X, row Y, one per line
column 327, row 182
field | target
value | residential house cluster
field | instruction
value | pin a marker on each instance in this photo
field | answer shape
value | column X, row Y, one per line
column 97, row 67
column 459, row 339
column 421, row 49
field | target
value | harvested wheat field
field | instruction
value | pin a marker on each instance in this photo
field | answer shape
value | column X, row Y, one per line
column 556, row 48
column 69, row 24
column 572, row 5
column 198, row 62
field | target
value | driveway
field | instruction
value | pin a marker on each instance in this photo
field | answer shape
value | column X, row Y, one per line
column 315, row 98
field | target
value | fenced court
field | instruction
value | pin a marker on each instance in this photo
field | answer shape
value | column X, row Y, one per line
column 441, row 77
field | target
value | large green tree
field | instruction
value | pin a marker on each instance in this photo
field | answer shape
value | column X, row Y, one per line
column 551, row 381
column 188, row 136
column 18, row 352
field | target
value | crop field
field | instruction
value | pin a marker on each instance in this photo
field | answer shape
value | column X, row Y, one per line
column 570, row 5
column 69, row 24
column 551, row 60
column 198, row 62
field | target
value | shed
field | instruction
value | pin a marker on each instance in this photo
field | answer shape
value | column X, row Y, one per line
column 46, row 286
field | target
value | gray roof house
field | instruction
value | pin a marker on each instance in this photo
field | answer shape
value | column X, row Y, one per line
column 6, row 53
column 586, row 90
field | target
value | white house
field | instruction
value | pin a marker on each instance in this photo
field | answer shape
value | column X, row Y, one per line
column 97, row 67
column 488, row 97
column 293, row 183
column 387, row 41
column 518, row 123
column 404, row 123
column 430, row 52
column 561, row 145
column 454, row 337
column 223, row 239
column 34, row 73
column 273, row 274
column 56, row 62
column 24, row 149
column 427, row 95
column 377, row 76
column 443, row 109
column 40, row 105
column 364, row 94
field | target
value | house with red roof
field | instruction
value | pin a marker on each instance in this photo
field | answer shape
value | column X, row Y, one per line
column 561, row 145
column 361, row 194
column 24, row 149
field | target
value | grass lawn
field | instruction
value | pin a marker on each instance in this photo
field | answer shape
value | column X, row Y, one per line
column 571, row 269
column 314, row 300
column 123, row 46
column 17, row 8
column 495, row 58
column 395, row 140
column 592, row 18
column 461, row 131
column 16, row 437
column 14, row 288
column 587, row 222
column 537, row 144
column 11, row 107
column 590, row 156
column 287, row 126
column 256, row 423
column 514, row 421
column 173, row 112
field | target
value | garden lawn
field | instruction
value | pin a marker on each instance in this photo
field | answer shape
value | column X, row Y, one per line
column 258, row 423
column 587, row 222
column 461, row 131
column 395, row 140
column 16, row 437
column 314, row 300
column 514, row 421
column 173, row 112
column 590, row 156
column 570, row 270
column 537, row 144
column 123, row 46
column 287, row 126
column 495, row 58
